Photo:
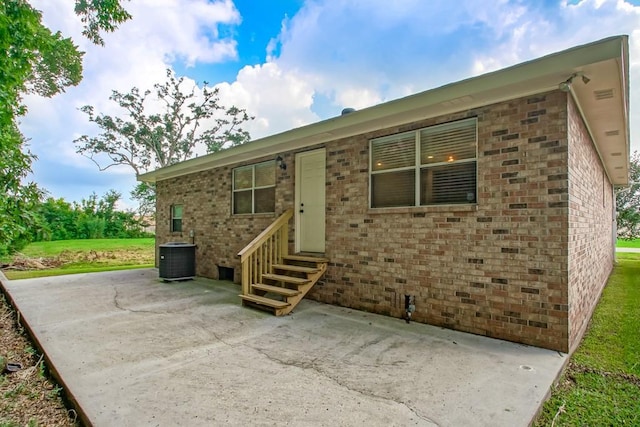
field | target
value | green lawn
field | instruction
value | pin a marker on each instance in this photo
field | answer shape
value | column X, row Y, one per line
column 86, row 256
column 43, row 249
column 628, row 243
column 601, row 385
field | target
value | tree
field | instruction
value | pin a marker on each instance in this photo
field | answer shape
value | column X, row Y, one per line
column 628, row 203
column 100, row 15
column 146, row 139
column 145, row 194
column 32, row 60
column 59, row 221
column 35, row 60
column 17, row 201
column 98, row 218
column 92, row 218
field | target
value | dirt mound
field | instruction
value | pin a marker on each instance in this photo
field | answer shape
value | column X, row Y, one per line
column 22, row 262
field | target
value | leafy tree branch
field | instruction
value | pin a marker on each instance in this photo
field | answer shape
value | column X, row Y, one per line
column 100, row 15
column 161, row 127
column 33, row 59
column 146, row 139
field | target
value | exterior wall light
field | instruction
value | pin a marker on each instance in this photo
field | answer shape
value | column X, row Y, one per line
column 280, row 163
column 565, row 86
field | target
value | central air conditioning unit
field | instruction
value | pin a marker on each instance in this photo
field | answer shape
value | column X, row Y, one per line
column 177, row 261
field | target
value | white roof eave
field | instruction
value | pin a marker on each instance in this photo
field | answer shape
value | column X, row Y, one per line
column 524, row 79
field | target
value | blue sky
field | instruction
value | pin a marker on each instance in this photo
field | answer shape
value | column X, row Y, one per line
column 261, row 22
column 294, row 62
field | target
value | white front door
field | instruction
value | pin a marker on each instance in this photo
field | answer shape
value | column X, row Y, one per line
column 310, row 200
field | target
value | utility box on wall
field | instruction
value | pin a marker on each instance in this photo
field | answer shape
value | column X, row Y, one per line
column 177, row 261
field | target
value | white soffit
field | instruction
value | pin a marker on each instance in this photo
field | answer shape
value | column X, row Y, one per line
column 604, row 104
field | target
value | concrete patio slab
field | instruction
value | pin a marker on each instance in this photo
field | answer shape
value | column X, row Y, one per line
column 133, row 351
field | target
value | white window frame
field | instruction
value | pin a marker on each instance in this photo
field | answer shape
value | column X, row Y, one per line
column 174, row 218
column 252, row 189
column 417, row 167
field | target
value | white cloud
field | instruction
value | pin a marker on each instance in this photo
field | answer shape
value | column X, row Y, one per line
column 137, row 54
column 358, row 97
column 386, row 49
column 161, row 32
column 280, row 100
column 342, row 53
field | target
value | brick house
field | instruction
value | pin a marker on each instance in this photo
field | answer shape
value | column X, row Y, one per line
column 489, row 201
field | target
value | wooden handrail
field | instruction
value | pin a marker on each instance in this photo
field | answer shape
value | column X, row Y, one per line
column 262, row 237
column 268, row 248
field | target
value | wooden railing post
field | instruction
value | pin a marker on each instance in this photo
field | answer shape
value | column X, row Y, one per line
column 245, row 278
column 284, row 241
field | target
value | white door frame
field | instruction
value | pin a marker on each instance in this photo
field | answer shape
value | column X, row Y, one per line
column 298, row 195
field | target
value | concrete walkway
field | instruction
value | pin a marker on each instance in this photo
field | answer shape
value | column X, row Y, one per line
column 633, row 250
column 135, row 351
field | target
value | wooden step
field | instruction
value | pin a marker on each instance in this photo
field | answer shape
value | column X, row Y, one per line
column 265, row 301
column 286, row 279
column 296, row 268
column 276, row 289
column 305, row 258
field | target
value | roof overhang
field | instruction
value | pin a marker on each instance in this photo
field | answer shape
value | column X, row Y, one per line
column 603, row 102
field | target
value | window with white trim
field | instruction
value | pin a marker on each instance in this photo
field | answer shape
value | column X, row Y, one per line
column 254, row 188
column 434, row 165
column 176, row 218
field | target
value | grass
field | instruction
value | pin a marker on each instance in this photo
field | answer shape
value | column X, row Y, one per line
column 601, row 385
column 44, row 249
column 635, row 243
column 87, row 256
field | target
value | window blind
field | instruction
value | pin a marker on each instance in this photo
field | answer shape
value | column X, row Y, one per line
column 444, row 172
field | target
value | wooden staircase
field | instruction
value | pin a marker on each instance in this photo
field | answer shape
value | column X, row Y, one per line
column 271, row 278
column 281, row 290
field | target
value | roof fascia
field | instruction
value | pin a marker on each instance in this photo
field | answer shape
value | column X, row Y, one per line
column 540, row 74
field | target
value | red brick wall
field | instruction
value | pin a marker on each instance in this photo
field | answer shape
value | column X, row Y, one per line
column 591, row 245
column 206, row 197
column 498, row 268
